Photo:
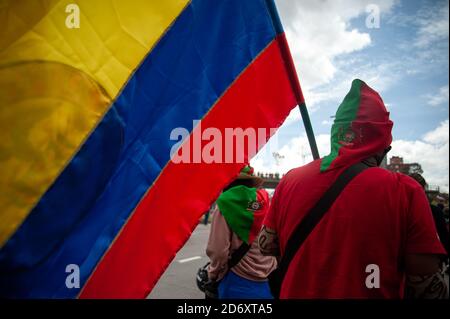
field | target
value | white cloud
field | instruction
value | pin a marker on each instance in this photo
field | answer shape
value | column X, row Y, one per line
column 326, row 48
column 428, row 47
column 439, row 136
column 433, row 24
column 439, row 97
column 293, row 154
column 379, row 77
column 319, row 31
column 431, row 151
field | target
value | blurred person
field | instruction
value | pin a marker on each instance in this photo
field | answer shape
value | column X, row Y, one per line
column 208, row 213
column 440, row 202
column 445, row 212
column 378, row 232
column 438, row 213
column 241, row 209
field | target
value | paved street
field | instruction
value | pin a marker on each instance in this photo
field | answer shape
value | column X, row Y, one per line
column 179, row 279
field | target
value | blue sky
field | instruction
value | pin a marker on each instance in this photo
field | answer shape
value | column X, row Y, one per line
column 406, row 60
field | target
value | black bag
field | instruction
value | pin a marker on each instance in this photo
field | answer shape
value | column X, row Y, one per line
column 307, row 224
column 209, row 287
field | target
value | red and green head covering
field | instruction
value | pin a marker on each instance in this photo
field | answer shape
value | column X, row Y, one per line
column 244, row 207
column 361, row 128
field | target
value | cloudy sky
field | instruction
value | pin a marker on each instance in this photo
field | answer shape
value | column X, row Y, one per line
column 406, row 60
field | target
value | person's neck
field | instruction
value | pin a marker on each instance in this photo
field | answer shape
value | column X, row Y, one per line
column 371, row 161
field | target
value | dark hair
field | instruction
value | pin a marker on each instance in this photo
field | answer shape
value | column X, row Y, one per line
column 419, row 179
column 246, row 182
column 380, row 157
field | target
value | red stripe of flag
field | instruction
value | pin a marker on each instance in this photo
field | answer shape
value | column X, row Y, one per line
column 163, row 221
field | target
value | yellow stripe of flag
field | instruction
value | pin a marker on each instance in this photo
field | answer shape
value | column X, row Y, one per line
column 57, row 82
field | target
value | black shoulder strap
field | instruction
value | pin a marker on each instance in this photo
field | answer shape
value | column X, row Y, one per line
column 307, row 224
column 238, row 254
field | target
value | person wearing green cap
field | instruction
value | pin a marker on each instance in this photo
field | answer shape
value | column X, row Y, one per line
column 236, row 223
column 377, row 231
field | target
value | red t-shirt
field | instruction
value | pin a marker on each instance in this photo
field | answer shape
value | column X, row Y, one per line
column 378, row 218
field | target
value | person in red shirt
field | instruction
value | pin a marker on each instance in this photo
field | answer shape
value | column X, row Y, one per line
column 378, row 232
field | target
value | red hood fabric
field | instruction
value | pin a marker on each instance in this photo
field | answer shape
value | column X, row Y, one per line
column 361, row 128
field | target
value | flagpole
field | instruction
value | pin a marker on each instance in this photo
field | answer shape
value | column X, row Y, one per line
column 309, row 131
column 286, row 54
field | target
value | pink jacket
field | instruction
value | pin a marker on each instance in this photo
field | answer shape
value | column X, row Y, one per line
column 222, row 242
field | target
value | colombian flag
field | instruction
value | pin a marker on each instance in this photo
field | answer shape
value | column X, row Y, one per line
column 87, row 106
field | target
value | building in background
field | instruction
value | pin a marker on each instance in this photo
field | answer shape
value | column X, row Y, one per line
column 396, row 164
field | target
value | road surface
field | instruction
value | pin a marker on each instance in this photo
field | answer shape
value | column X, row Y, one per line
column 178, row 281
